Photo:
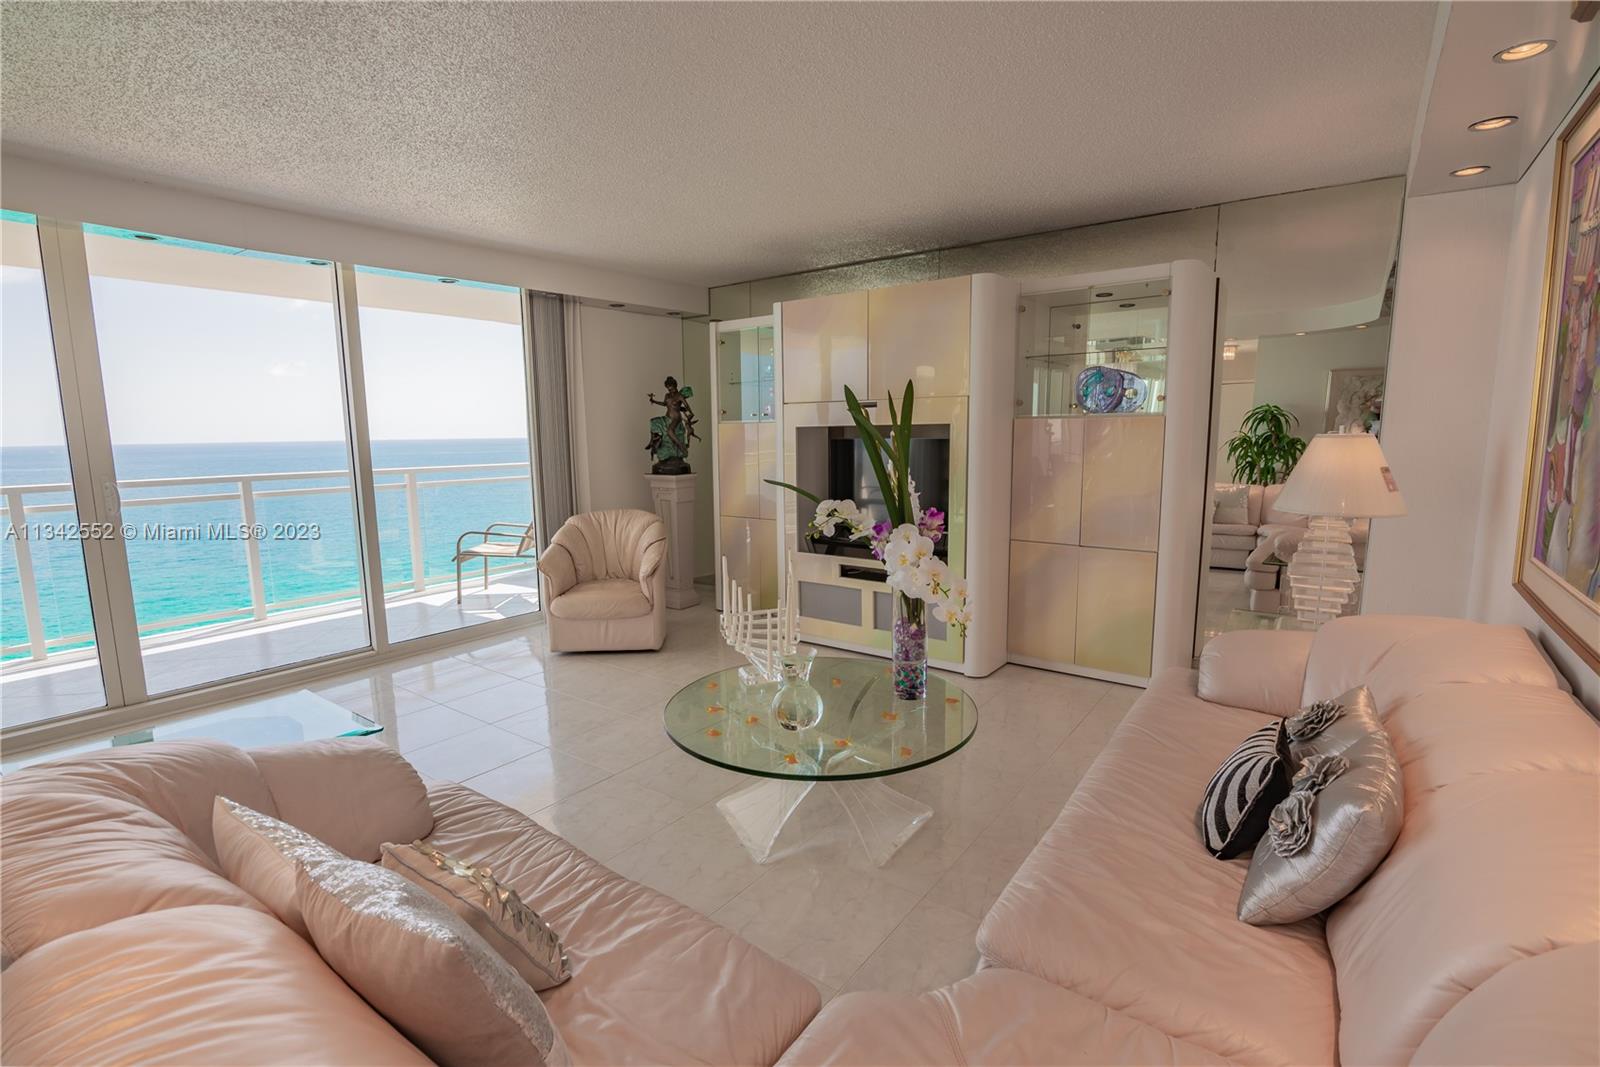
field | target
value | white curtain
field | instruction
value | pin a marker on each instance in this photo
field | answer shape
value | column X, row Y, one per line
column 554, row 370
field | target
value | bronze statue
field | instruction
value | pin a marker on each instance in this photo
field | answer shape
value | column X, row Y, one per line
column 671, row 433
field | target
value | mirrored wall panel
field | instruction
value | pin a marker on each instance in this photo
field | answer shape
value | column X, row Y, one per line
column 1308, row 282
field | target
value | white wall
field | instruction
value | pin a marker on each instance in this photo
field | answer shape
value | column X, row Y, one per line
column 1442, row 357
column 77, row 194
column 1292, row 372
column 624, row 356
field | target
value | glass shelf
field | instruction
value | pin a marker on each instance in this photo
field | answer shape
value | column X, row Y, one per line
column 1122, row 328
column 746, row 369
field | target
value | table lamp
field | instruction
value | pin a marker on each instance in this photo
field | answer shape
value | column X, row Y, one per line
column 1341, row 476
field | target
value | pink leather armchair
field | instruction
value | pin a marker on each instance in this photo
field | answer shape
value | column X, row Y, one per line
column 606, row 582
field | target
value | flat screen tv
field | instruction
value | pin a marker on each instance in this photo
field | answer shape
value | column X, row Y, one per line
column 849, row 476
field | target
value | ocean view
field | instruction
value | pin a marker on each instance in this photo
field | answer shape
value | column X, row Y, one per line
column 310, row 554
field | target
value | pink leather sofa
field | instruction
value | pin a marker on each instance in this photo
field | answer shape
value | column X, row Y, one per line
column 124, row 943
column 1477, row 940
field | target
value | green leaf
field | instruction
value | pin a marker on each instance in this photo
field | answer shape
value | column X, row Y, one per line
column 877, row 450
column 903, row 442
column 814, row 498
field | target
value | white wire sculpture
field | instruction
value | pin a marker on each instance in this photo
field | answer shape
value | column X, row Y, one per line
column 764, row 636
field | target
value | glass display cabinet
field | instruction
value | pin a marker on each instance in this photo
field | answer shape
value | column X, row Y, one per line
column 745, row 372
column 744, row 396
column 1121, row 330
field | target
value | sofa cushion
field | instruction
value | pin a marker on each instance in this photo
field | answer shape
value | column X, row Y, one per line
column 1538, row 1010
column 611, row 598
column 1499, row 855
column 1263, row 670
column 423, row 968
column 353, row 793
column 175, row 779
column 1487, row 871
column 1234, row 542
column 995, row 1017
column 76, row 860
column 1395, row 655
column 1270, row 515
column 1120, row 904
column 261, row 855
column 652, row 981
column 1232, row 529
column 190, row 985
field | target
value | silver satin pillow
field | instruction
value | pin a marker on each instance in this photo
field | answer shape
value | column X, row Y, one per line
column 1340, row 819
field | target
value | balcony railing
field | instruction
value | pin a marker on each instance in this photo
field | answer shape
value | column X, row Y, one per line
column 247, row 490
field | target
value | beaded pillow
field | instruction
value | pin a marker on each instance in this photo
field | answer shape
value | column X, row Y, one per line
column 494, row 910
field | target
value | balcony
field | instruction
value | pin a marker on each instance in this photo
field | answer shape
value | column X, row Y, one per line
column 312, row 609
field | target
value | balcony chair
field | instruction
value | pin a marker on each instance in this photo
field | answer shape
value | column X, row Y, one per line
column 486, row 550
column 606, row 580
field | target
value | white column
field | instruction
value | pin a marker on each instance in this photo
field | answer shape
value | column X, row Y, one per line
column 673, row 496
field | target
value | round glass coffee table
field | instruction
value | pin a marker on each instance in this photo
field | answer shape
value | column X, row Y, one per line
column 864, row 736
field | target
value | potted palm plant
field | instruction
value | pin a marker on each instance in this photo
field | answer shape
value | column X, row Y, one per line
column 904, row 541
column 1265, row 449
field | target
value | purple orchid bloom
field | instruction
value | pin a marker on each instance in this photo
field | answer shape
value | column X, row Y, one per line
column 931, row 524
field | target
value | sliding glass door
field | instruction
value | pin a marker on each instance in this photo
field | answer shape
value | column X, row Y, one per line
column 216, row 464
column 224, row 390
column 447, row 406
column 50, row 662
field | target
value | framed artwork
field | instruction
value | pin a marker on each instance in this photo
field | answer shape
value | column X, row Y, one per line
column 1558, row 544
column 1355, row 400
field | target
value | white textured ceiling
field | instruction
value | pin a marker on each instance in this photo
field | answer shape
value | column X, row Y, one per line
column 717, row 142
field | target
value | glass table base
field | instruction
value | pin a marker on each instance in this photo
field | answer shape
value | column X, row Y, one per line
column 883, row 818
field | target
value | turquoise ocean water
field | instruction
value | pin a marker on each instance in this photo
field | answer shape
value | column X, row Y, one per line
column 179, row 564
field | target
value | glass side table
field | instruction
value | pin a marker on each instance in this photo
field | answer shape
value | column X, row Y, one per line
column 861, row 738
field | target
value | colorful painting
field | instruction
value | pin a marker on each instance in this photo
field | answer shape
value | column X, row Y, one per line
column 1355, row 400
column 1558, row 565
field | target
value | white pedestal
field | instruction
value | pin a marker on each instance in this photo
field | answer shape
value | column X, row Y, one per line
column 673, row 496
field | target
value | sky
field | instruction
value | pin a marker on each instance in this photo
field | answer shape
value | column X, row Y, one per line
column 190, row 365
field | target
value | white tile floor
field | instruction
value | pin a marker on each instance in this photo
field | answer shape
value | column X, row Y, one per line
column 576, row 742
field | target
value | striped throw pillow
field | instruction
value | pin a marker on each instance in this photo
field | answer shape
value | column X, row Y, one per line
column 1241, row 795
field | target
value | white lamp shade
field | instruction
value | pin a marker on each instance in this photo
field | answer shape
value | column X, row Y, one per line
column 1344, row 475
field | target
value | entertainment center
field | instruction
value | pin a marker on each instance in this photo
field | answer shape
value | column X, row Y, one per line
column 1079, row 530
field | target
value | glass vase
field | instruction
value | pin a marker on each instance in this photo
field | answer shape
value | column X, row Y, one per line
column 797, row 705
column 909, row 636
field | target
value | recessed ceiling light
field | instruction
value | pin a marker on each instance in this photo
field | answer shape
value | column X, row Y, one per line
column 1102, row 295
column 1302, row 333
column 1470, row 172
column 1362, row 326
column 146, row 237
column 1499, row 122
column 449, row 281
column 1525, row 50
column 616, row 305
